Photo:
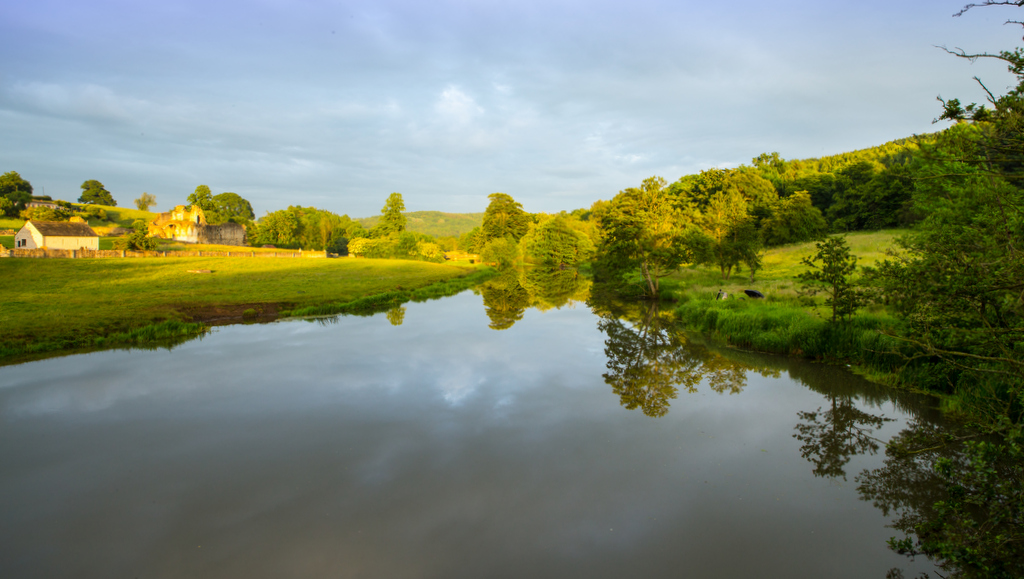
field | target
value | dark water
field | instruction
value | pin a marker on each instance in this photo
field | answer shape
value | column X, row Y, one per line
column 565, row 445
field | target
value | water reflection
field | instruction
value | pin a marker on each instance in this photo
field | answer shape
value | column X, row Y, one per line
column 954, row 497
column 396, row 315
column 832, row 437
column 649, row 360
column 513, row 290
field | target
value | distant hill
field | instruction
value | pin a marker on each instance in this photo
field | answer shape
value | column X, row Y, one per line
column 436, row 223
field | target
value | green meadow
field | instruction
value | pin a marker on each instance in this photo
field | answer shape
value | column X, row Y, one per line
column 786, row 322
column 62, row 304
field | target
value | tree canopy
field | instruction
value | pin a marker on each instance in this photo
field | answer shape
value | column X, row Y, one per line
column 504, row 217
column 95, row 193
column 392, row 218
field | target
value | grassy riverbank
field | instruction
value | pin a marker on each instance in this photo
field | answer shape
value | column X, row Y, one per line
column 784, row 322
column 62, row 304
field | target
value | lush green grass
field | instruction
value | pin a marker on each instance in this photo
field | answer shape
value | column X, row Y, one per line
column 7, row 241
column 53, row 304
column 784, row 322
column 11, row 223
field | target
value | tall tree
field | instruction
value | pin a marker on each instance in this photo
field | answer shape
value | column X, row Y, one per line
column 95, row 193
column 504, row 217
column 644, row 232
column 392, row 219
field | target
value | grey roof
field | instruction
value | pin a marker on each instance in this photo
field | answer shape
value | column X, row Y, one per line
column 63, row 229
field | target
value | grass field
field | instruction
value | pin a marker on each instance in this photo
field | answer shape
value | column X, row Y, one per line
column 784, row 322
column 54, row 304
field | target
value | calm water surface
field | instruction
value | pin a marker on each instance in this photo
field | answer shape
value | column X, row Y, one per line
column 561, row 446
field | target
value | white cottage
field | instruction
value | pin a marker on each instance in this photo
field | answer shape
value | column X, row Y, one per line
column 56, row 235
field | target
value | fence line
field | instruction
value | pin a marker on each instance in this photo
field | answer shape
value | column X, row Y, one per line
column 43, row 253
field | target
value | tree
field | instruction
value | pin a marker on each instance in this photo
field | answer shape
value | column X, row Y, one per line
column 139, row 239
column 555, row 243
column 833, row 277
column 502, row 251
column 45, row 214
column 959, row 280
column 203, row 198
column 793, row 219
column 504, row 217
column 645, row 232
column 145, row 201
column 17, row 191
column 392, row 219
column 94, row 192
column 723, row 220
column 232, row 207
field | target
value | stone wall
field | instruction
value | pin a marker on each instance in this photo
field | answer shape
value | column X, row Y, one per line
column 223, row 234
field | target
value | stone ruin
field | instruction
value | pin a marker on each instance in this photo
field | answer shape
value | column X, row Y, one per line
column 188, row 224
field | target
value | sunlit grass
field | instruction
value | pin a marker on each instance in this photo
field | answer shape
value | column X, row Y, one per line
column 65, row 301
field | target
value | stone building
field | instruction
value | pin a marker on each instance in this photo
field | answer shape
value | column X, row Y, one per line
column 75, row 234
column 188, row 224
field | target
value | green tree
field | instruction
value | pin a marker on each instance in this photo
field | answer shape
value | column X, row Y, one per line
column 726, row 222
column 959, row 280
column 502, row 251
column 644, row 232
column 203, row 198
column 555, row 243
column 504, row 217
column 832, row 276
column 793, row 219
column 145, row 201
column 16, row 190
column 44, row 214
column 392, row 219
column 94, row 192
column 232, row 207
column 138, row 240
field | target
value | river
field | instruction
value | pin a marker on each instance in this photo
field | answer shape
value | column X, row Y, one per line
column 471, row 436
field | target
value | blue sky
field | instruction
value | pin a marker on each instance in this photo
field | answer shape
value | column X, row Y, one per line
column 555, row 102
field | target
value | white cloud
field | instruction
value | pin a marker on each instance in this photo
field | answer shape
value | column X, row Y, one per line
column 457, row 107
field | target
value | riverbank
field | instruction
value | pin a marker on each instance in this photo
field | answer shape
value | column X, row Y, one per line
column 786, row 323
column 62, row 305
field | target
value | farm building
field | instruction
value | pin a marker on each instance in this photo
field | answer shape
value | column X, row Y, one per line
column 56, row 235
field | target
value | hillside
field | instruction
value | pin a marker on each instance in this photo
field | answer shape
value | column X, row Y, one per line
column 436, row 223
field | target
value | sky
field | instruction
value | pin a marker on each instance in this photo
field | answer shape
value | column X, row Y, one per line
column 558, row 103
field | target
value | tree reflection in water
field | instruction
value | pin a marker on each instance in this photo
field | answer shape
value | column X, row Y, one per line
column 832, row 437
column 649, row 360
column 960, row 503
column 507, row 295
column 396, row 315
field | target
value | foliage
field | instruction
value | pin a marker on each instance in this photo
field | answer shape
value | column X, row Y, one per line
column 145, row 201
column 392, row 220
column 202, row 197
column 644, row 230
column 793, row 219
column 45, row 214
column 138, row 240
column 553, row 242
column 832, row 276
column 503, row 251
column 304, row 227
column 95, row 212
column 961, row 503
column 435, row 223
column 94, row 192
column 231, row 208
column 16, row 191
column 959, row 280
column 504, row 217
